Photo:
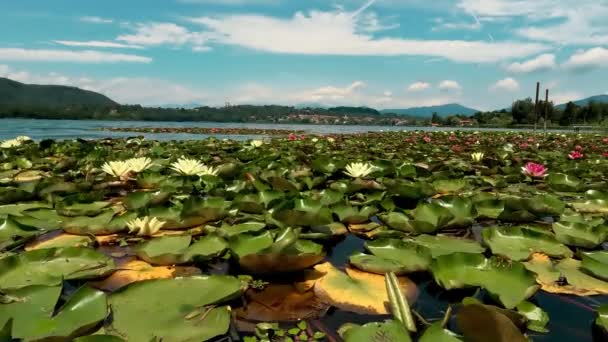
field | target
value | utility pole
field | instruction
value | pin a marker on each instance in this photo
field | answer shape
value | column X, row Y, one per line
column 546, row 108
column 536, row 106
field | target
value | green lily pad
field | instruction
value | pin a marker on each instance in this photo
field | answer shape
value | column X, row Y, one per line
column 303, row 212
column 84, row 225
column 592, row 206
column 430, row 217
column 436, row 333
column 83, row 209
column 575, row 281
column 510, row 282
column 595, row 263
column 353, row 215
column 580, row 234
column 247, row 227
column 563, row 182
column 174, row 310
column 602, row 317
column 389, row 253
column 397, row 220
column 442, row 245
column 51, row 266
column 519, row 243
column 388, row 331
column 537, row 317
column 34, row 318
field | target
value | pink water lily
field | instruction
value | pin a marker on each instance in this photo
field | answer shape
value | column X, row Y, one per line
column 426, row 139
column 575, row 155
column 292, row 137
column 534, row 170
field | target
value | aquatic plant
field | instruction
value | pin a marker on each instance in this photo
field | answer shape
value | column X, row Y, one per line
column 193, row 167
column 358, row 170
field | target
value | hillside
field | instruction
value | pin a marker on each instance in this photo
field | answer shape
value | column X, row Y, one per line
column 584, row 102
column 13, row 94
column 442, row 110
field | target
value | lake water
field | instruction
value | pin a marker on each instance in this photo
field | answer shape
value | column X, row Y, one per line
column 89, row 129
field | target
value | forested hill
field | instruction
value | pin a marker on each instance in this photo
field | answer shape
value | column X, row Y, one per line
column 16, row 94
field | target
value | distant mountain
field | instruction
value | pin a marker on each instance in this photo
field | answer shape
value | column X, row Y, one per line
column 13, row 93
column 442, row 110
column 584, row 102
column 183, row 105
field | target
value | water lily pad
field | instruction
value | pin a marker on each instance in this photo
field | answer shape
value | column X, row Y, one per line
column 563, row 182
column 51, row 266
column 34, row 318
column 281, row 302
column 436, row 333
column 518, row 243
column 479, row 323
column 397, row 220
column 580, row 234
column 592, row 206
column 59, row 239
column 247, row 227
column 509, row 282
column 174, row 310
column 602, row 317
column 131, row 270
column 83, row 209
column 84, row 225
column 303, row 212
column 574, row 280
column 461, row 209
column 352, row 215
column 355, row 290
column 537, row 317
column 430, row 217
column 442, row 245
column 389, row 331
column 392, row 255
column 595, row 263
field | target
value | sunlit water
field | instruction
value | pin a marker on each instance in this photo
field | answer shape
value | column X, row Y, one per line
column 89, row 129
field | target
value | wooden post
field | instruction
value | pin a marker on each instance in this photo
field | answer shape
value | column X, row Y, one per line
column 546, row 108
column 536, row 106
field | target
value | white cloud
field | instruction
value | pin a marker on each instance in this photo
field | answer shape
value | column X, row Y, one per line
column 418, row 86
column 449, row 85
column 342, row 33
column 165, row 34
column 507, row 84
column 588, row 59
column 86, row 56
column 441, row 24
column 575, row 22
column 96, row 20
column 541, row 63
column 97, row 44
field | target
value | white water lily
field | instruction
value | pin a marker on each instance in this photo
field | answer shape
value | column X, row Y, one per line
column 18, row 141
column 358, row 170
column 477, row 156
column 139, row 164
column 191, row 167
column 118, row 168
column 146, row 226
column 331, row 140
column 256, row 143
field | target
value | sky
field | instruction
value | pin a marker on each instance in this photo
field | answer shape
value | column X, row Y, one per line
column 376, row 53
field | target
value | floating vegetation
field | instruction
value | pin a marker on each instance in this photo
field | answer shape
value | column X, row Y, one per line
column 302, row 238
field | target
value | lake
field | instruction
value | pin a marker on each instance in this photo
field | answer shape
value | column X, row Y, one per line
column 89, row 129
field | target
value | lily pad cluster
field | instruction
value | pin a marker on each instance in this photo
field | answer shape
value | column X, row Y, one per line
column 161, row 230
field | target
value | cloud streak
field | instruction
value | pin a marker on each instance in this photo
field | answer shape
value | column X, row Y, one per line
column 86, row 56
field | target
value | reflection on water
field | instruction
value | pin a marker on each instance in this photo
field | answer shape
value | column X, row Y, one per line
column 88, row 129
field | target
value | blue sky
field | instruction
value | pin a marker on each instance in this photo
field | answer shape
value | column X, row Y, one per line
column 383, row 53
